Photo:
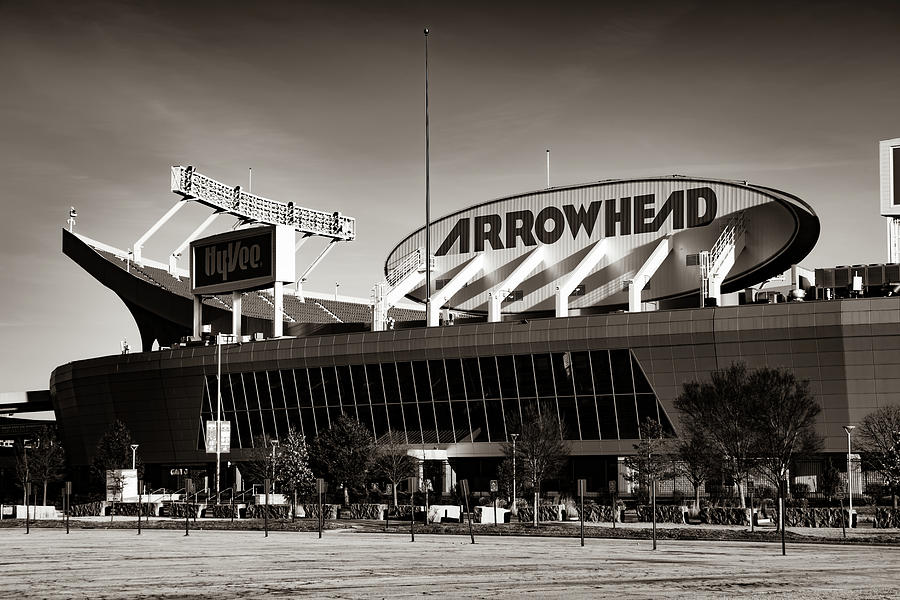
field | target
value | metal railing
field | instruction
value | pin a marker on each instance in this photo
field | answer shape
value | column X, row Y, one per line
column 728, row 238
column 404, row 266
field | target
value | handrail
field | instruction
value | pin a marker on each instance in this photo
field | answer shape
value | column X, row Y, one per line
column 404, row 266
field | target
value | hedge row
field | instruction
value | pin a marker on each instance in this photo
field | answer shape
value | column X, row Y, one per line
column 368, row 511
column 181, row 510
column 272, row 511
column 546, row 512
column 131, row 509
column 88, row 509
column 222, row 511
column 886, row 517
column 311, row 511
column 664, row 513
column 719, row 515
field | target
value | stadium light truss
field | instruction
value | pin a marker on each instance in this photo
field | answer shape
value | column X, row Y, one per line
column 192, row 185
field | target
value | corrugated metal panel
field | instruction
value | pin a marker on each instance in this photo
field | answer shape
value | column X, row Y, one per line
column 771, row 227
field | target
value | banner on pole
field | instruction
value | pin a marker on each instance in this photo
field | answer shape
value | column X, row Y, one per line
column 224, row 436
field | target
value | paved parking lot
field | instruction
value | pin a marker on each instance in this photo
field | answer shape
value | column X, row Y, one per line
column 47, row 563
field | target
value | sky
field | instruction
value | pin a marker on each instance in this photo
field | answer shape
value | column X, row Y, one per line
column 325, row 102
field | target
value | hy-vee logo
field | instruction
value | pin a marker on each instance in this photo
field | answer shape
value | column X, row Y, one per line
column 624, row 216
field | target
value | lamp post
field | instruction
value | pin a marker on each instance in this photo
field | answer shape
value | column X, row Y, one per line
column 514, row 436
column 219, row 340
column 134, row 448
column 848, row 429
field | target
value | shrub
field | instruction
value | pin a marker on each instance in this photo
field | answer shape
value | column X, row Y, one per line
column 800, row 491
column 876, row 491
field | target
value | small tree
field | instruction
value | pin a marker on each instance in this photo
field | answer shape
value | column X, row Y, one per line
column 720, row 412
column 344, row 453
column 694, row 461
column 294, row 470
column 505, row 475
column 541, row 449
column 263, row 461
column 392, row 461
column 879, row 440
column 830, row 480
column 113, row 451
column 782, row 417
column 46, row 458
column 651, row 462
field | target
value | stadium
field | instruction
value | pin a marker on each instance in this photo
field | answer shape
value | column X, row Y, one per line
column 592, row 302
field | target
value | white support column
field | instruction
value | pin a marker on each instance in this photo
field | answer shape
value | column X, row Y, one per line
column 198, row 316
column 176, row 253
column 654, row 261
column 138, row 245
column 236, row 302
column 454, row 285
column 278, row 294
column 568, row 285
column 496, row 295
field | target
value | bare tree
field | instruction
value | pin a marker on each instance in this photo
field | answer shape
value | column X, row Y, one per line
column 879, row 440
column 651, row 461
column 720, row 412
column 782, row 417
column 541, row 449
column 263, row 461
column 46, row 458
column 694, row 461
column 392, row 461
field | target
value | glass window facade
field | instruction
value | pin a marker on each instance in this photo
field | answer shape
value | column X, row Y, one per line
column 596, row 395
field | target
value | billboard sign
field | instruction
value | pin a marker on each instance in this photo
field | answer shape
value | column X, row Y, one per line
column 889, row 167
column 241, row 260
column 121, row 484
column 631, row 217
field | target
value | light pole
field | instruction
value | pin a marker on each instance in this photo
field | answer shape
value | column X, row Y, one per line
column 514, row 436
column 848, row 429
column 134, row 448
column 219, row 340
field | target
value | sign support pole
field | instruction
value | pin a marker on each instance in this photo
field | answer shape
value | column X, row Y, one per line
column 140, row 505
column 27, row 504
column 582, row 484
column 68, row 504
column 464, row 487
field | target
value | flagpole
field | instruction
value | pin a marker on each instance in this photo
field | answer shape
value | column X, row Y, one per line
column 427, row 195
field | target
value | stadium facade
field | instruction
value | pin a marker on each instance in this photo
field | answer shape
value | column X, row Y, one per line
column 538, row 283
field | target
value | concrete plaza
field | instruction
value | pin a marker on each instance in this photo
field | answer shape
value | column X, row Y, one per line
column 98, row 563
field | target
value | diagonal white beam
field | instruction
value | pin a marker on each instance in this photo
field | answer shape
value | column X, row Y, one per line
column 568, row 285
column 496, row 295
column 138, row 245
column 647, row 270
column 176, row 253
column 442, row 296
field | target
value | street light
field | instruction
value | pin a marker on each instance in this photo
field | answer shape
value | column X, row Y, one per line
column 134, row 448
column 514, row 436
column 848, row 429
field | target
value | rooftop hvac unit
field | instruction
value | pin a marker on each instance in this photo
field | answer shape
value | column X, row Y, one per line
column 874, row 275
column 841, row 276
column 892, row 273
column 825, row 278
